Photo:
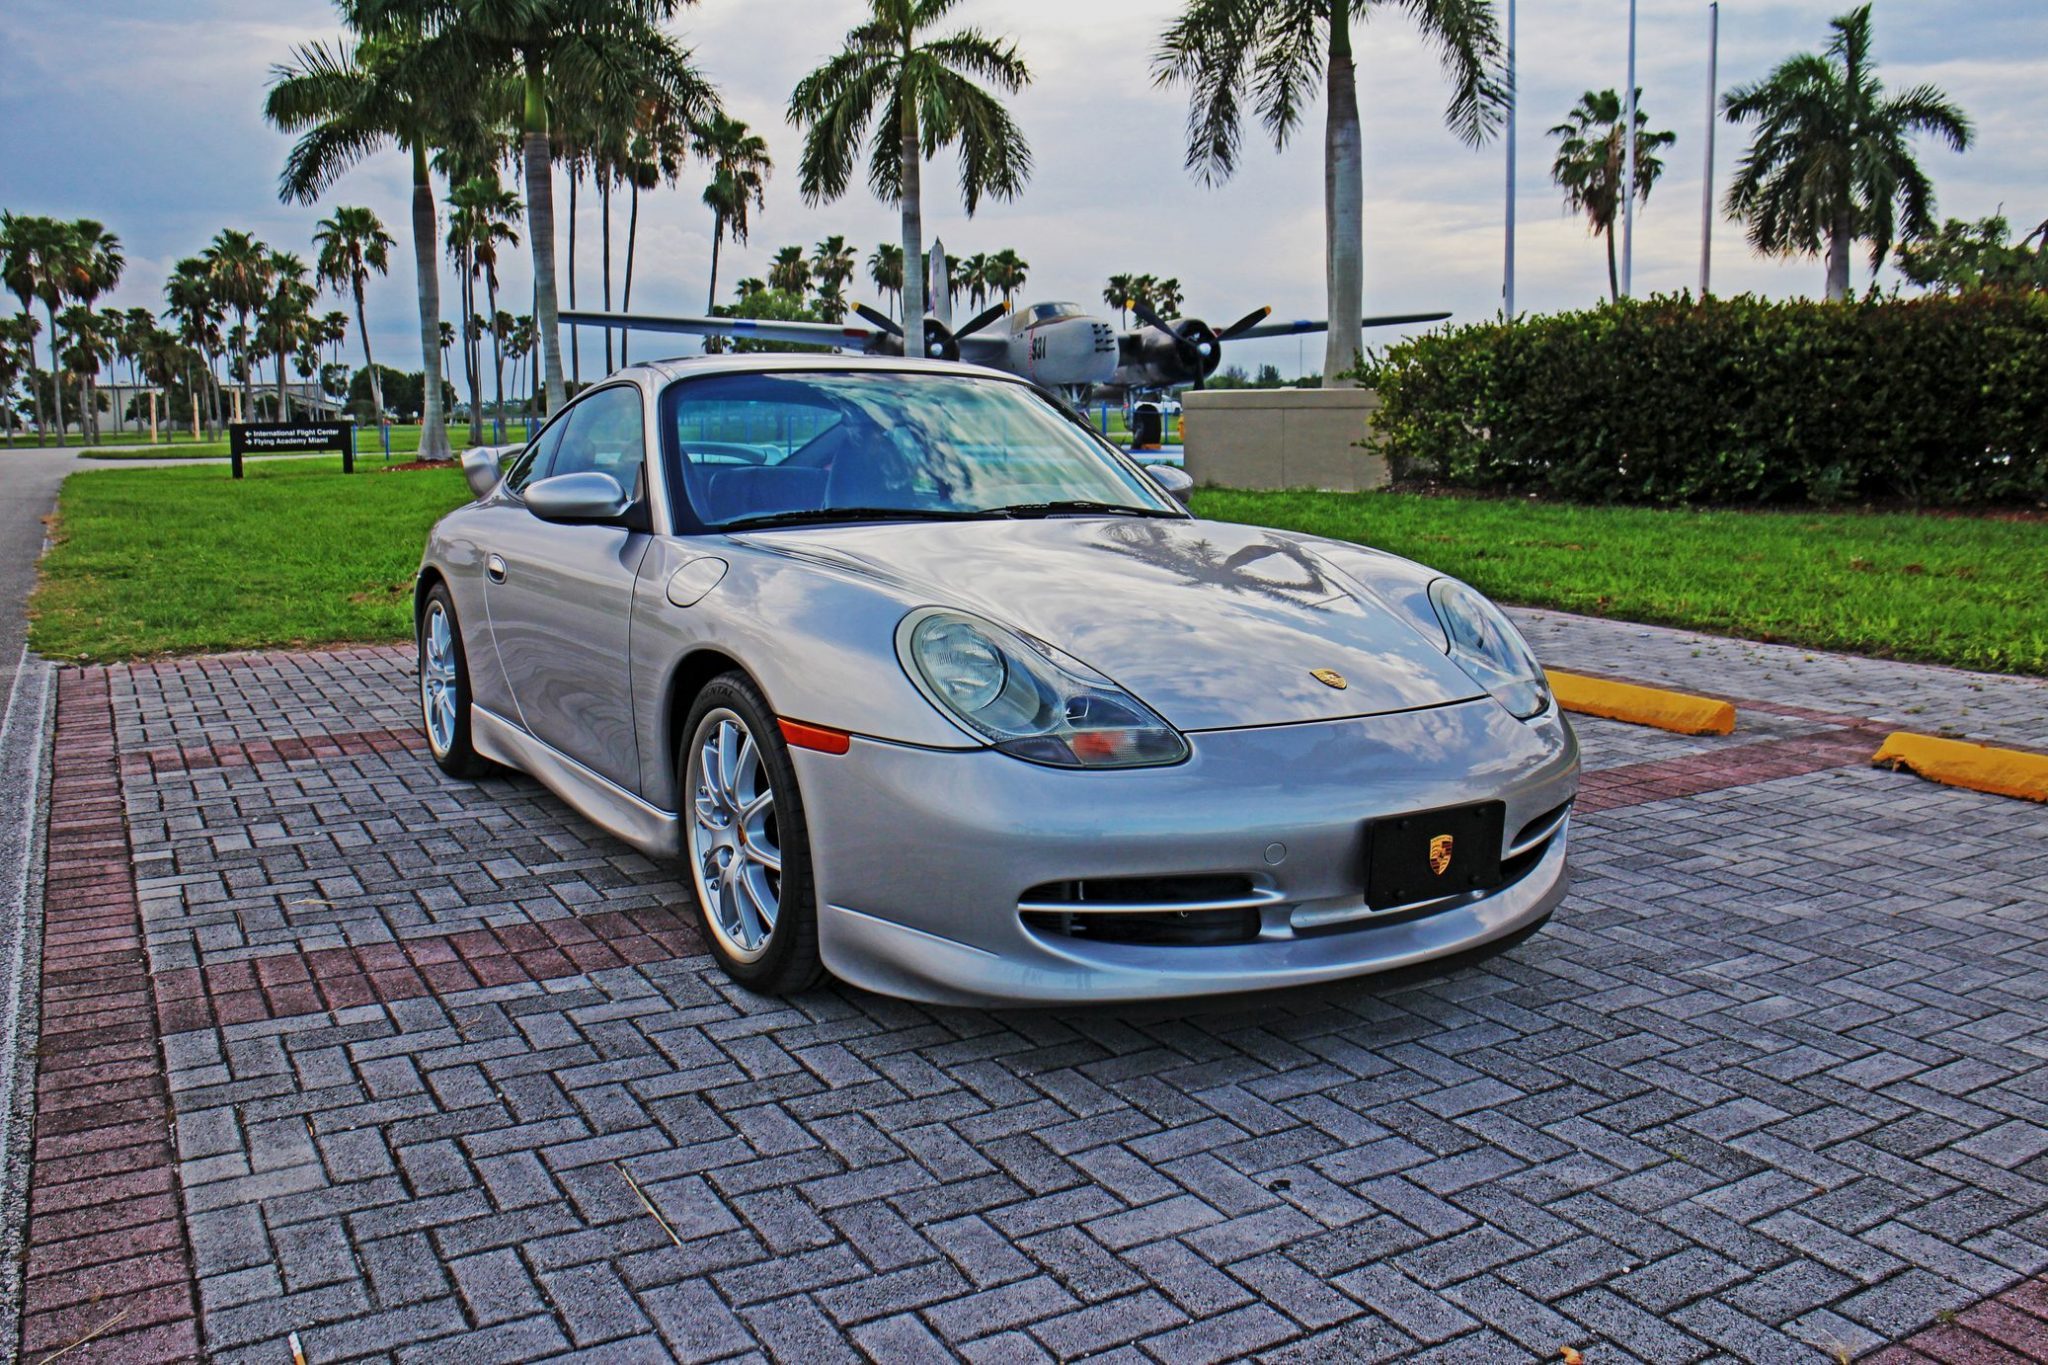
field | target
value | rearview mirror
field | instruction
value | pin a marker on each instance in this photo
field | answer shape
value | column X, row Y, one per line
column 483, row 466
column 1174, row 482
column 588, row 496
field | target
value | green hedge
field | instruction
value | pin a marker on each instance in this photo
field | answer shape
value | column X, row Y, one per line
column 1934, row 401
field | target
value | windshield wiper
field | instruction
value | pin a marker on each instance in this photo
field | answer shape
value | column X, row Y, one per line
column 813, row 515
column 1076, row 505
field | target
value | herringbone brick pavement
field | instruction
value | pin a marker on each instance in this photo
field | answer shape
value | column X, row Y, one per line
column 1769, row 1087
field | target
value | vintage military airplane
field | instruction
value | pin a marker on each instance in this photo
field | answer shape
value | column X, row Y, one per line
column 1059, row 345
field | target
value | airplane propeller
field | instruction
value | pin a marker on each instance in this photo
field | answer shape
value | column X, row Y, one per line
column 940, row 341
column 1196, row 343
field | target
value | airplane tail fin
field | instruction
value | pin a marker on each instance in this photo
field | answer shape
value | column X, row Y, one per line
column 938, row 294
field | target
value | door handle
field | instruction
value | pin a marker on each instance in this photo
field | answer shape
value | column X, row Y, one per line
column 494, row 568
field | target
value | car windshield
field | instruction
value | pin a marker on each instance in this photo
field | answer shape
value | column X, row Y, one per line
column 766, row 449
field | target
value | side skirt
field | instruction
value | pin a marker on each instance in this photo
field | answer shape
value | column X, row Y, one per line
column 655, row 832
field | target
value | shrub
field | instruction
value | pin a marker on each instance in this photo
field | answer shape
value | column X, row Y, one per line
column 1940, row 401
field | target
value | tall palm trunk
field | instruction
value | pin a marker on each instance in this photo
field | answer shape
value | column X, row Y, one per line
column 369, row 361
column 472, row 358
column 248, row 366
column 56, row 378
column 913, row 236
column 42, row 422
column 604, row 201
column 626, row 298
column 426, row 257
column 575, row 333
column 1613, row 275
column 717, row 233
column 497, row 356
column 540, row 226
column 1840, row 236
column 1343, row 206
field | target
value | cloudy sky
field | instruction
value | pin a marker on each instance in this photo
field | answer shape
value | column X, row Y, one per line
column 147, row 116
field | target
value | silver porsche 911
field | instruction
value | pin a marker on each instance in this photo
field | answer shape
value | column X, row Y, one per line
column 930, row 687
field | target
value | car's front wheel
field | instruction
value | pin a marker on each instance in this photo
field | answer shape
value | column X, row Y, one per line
column 444, row 687
column 746, row 840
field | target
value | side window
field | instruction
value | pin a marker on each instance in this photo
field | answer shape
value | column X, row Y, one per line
column 532, row 462
column 605, row 436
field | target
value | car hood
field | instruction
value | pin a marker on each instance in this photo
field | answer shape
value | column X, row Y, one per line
column 1212, row 624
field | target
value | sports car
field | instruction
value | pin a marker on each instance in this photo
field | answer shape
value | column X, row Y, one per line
column 928, row 686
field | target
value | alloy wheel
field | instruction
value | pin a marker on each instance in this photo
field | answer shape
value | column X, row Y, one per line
column 735, row 848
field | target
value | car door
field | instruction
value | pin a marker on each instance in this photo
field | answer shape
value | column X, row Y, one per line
column 560, row 595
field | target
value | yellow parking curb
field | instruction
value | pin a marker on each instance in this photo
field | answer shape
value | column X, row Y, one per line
column 1678, row 712
column 1959, row 763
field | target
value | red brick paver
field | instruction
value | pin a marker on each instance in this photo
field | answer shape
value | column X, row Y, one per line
column 109, row 1269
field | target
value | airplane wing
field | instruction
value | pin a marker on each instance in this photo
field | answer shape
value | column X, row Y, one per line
column 849, row 334
column 1288, row 329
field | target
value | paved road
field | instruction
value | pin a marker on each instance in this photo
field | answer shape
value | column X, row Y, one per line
column 453, row 1080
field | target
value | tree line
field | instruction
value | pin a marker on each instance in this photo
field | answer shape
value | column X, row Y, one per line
column 470, row 90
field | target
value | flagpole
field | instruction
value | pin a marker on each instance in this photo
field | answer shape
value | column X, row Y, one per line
column 1713, row 117
column 1508, row 290
column 1628, row 173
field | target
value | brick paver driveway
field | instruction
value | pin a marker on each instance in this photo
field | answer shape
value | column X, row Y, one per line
column 447, row 1077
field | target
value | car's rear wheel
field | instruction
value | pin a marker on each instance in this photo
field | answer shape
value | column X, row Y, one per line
column 746, row 841
column 444, row 687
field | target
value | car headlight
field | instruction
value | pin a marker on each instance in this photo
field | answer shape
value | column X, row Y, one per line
column 1028, row 699
column 1484, row 643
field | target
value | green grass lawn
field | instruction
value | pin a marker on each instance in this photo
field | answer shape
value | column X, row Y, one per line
column 405, row 443
column 1968, row 591
column 160, row 561
column 166, row 561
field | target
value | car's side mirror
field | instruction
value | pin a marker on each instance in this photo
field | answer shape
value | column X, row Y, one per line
column 484, row 466
column 1174, row 482
column 586, row 496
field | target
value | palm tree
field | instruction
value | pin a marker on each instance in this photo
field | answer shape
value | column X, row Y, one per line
column 750, row 286
column 974, row 278
column 609, row 54
column 352, row 242
column 35, row 254
column 1273, row 51
column 739, row 176
column 833, row 263
column 483, row 218
column 1832, row 163
column 1006, row 271
column 347, row 105
column 238, row 269
column 88, row 346
column 885, row 268
column 96, row 264
column 191, row 302
column 288, row 315
column 1167, row 297
column 1592, row 159
column 17, row 358
column 790, row 272
column 922, row 97
column 1117, row 294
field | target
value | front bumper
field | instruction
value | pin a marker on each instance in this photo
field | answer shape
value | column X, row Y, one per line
column 922, row 857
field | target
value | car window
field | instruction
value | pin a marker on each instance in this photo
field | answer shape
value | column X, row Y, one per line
column 532, row 463
column 810, row 444
column 604, row 437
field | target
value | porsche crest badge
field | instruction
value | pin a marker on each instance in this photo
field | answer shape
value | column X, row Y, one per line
column 1329, row 677
column 1440, row 854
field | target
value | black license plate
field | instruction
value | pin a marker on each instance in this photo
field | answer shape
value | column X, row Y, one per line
column 1435, row 853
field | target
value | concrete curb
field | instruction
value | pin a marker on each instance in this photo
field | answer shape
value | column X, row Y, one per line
column 1959, row 763
column 1679, row 712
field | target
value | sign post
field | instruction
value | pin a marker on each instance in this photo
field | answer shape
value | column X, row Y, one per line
column 284, row 438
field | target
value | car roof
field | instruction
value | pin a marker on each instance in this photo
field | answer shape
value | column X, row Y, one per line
column 769, row 362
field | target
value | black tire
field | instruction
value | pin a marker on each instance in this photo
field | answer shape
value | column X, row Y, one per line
column 786, row 961
column 458, row 757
